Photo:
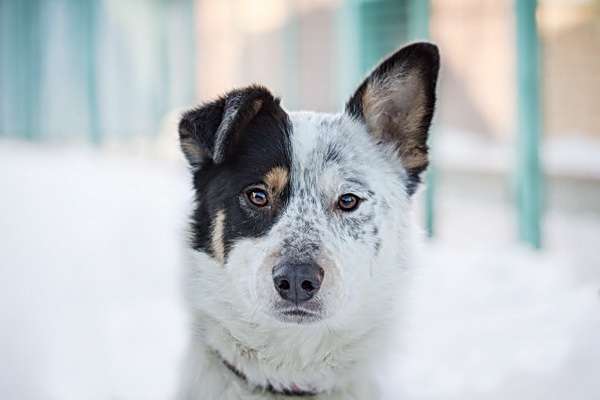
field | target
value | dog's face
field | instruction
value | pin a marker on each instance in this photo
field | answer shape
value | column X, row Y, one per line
column 303, row 216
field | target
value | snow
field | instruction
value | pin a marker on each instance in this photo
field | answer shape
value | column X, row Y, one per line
column 90, row 251
column 572, row 155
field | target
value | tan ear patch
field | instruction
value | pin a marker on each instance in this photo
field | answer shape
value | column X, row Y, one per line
column 276, row 179
column 194, row 153
column 394, row 110
column 217, row 239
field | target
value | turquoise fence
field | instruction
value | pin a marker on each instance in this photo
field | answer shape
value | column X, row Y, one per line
column 528, row 171
column 88, row 70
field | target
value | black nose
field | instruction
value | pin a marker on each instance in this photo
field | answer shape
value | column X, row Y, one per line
column 297, row 282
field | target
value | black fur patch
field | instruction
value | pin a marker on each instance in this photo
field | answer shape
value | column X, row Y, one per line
column 232, row 143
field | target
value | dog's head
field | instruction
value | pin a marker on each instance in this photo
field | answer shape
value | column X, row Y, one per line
column 304, row 216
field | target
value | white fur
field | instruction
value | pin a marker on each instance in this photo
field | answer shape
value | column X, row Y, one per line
column 232, row 306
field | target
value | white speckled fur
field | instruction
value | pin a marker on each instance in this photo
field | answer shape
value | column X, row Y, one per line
column 231, row 305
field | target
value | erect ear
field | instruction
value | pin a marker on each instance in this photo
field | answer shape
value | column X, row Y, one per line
column 396, row 102
column 210, row 133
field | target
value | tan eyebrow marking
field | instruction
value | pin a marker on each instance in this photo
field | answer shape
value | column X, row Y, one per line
column 276, row 179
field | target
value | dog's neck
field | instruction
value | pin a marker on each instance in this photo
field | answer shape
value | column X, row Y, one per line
column 306, row 359
column 294, row 390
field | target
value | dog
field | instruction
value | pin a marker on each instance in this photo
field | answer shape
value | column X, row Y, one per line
column 301, row 234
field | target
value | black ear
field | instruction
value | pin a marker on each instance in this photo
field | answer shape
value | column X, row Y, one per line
column 209, row 133
column 396, row 102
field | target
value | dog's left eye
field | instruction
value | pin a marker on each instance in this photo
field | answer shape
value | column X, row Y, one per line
column 257, row 197
column 348, row 202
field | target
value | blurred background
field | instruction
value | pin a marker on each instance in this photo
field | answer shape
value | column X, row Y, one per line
column 506, row 300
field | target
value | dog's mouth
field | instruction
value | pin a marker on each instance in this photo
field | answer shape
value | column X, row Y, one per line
column 299, row 315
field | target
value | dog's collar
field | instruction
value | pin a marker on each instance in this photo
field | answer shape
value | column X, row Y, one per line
column 293, row 391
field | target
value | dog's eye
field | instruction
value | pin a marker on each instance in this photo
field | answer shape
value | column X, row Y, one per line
column 257, row 197
column 348, row 202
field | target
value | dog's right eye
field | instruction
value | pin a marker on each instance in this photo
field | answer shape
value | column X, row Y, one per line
column 257, row 197
column 348, row 202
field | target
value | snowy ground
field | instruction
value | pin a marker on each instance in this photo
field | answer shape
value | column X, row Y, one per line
column 89, row 306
